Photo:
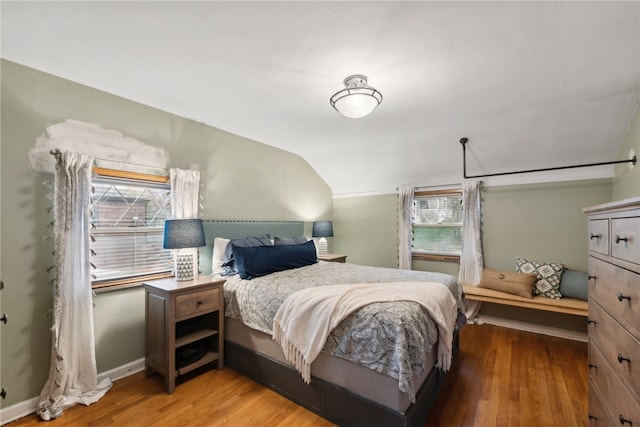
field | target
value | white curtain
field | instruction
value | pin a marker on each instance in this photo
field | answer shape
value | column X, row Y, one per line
column 405, row 212
column 72, row 373
column 185, row 187
column 471, row 259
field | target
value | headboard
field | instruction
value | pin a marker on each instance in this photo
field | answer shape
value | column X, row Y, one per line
column 231, row 229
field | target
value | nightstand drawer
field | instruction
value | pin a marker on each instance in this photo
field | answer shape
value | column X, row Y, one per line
column 196, row 303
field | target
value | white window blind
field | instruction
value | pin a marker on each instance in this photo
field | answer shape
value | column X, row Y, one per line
column 437, row 223
column 128, row 230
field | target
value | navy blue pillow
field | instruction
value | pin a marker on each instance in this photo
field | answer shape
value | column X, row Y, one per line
column 296, row 240
column 228, row 263
column 256, row 261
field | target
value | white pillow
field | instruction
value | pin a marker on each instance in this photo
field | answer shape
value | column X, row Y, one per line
column 219, row 247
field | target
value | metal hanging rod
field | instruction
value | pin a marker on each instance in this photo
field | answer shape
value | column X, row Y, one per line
column 464, row 142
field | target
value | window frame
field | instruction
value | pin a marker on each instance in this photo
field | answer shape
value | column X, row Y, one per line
column 99, row 286
column 425, row 256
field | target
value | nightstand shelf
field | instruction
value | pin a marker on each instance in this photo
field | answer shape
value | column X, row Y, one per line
column 183, row 340
column 207, row 358
column 184, row 322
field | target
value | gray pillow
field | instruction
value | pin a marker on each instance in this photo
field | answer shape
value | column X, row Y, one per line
column 575, row 284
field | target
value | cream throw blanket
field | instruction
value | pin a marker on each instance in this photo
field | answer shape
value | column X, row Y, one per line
column 307, row 317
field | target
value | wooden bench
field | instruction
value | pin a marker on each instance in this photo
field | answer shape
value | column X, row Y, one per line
column 563, row 305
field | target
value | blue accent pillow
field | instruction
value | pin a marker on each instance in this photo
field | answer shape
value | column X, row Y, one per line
column 256, row 261
column 228, row 263
column 296, row 240
column 575, row 284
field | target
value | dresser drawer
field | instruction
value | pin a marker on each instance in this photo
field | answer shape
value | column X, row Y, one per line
column 618, row 347
column 196, row 303
column 617, row 291
column 620, row 403
column 598, row 416
column 625, row 239
column 599, row 236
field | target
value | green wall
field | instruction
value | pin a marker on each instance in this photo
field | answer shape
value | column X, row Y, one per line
column 626, row 183
column 366, row 229
column 540, row 221
column 242, row 179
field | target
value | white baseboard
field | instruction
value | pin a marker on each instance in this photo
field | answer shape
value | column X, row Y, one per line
column 534, row 327
column 27, row 407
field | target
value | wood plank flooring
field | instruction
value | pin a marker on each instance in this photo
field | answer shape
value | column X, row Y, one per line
column 502, row 377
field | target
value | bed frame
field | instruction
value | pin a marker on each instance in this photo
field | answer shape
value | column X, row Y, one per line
column 330, row 401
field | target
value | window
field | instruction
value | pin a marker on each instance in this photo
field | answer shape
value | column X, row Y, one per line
column 437, row 225
column 127, row 216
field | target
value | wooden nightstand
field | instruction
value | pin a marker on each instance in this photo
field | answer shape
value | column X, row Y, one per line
column 184, row 326
column 333, row 258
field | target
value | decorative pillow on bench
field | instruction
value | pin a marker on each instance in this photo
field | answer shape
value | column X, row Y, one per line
column 549, row 275
column 575, row 284
column 520, row 284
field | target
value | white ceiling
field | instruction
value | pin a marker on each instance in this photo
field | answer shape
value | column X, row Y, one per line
column 531, row 84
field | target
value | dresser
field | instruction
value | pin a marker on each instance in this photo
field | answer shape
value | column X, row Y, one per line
column 614, row 313
column 184, row 326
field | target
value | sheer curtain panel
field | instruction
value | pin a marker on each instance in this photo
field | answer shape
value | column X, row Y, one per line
column 72, row 373
column 405, row 210
column 471, row 259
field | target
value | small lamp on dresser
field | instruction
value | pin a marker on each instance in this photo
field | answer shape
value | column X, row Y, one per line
column 183, row 234
column 322, row 229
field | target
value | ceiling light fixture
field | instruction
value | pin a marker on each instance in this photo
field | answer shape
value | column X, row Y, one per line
column 357, row 99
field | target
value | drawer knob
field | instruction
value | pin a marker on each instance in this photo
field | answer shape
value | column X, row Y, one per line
column 594, row 236
column 623, row 420
column 589, row 321
column 621, row 239
column 621, row 297
column 199, row 302
column 589, row 277
column 621, row 359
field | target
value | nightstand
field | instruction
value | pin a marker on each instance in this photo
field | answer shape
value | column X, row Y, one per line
column 333, row 258
column 184, row 326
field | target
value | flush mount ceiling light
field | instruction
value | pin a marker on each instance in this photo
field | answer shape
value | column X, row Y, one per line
column 357, row 99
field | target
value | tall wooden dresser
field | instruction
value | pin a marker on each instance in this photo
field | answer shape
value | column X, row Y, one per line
column 614, row 313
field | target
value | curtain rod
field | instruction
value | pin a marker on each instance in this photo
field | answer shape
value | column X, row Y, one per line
column 464, row 142
column 56, row 152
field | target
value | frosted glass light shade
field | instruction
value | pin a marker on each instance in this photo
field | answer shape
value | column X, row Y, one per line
column 357, row 99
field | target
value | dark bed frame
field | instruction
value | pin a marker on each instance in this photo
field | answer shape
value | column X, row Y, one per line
column 331, row 402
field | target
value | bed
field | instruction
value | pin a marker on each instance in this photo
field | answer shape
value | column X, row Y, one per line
column 377, row 366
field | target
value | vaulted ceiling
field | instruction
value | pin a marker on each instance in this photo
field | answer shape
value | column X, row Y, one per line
column 531, row 84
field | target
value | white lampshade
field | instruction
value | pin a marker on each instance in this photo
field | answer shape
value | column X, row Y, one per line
column 357, row 99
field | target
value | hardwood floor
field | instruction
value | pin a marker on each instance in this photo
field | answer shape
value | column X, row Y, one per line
column 505, row 377
column 502, row 377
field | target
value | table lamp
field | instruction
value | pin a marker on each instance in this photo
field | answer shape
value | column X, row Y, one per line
column 322, row 229
column 182, row 234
